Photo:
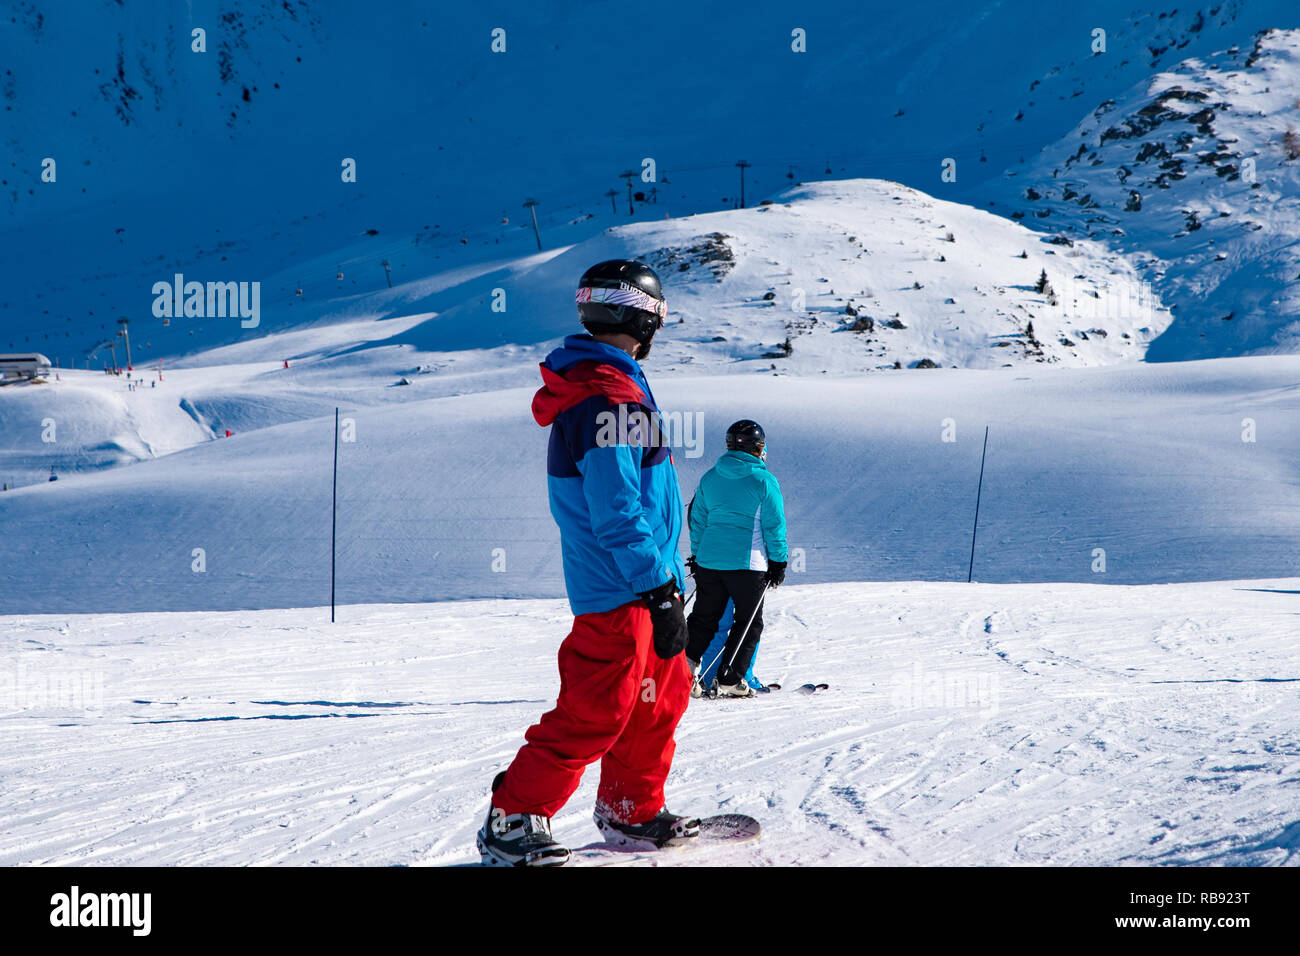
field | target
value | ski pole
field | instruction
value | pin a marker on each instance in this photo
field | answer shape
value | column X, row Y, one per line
column 690, row 597
column 743, row 634
column 739, row 643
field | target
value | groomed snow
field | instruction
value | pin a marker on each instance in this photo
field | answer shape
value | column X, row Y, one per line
column 965, row 724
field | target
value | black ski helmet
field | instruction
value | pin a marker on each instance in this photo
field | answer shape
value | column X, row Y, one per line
column 621, row 295
column 746, row 435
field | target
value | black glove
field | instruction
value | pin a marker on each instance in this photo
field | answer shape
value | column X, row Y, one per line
column 691, row 565
column 775, row 576
column 667, row 618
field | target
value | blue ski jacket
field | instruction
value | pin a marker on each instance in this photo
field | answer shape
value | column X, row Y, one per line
column 613, row 488
column 737, row 516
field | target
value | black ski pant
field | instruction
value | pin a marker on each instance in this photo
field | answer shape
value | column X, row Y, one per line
column 712, row 589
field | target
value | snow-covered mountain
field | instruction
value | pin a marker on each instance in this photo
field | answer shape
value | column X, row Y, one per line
column 1196, row 174
column 836, row 277
column 225, row 164
column 827, row 279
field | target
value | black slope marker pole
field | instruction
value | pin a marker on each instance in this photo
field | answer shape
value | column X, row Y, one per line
column 334, row 519
column 970, row 572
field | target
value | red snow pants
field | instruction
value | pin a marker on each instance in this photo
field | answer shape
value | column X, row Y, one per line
column 619, row 703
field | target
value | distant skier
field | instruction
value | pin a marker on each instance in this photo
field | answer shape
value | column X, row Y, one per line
column 623, row 681
column 738, row 550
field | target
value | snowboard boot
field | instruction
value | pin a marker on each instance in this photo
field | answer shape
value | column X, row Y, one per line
column 740, row 689
column 518, row 839
column 666, row 829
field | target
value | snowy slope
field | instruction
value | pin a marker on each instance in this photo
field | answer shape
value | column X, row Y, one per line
column 854, row 275
column 1147, row 462
column 1196, row 172
column 68, row 427
column 965, row 725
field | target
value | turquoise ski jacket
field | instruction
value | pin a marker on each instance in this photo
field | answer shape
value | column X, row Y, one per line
column 737, row 517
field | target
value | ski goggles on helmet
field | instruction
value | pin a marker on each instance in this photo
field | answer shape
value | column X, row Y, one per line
column 634, row 298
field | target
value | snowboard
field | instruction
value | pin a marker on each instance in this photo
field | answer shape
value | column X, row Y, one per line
column 717, row 829
column 729, row 828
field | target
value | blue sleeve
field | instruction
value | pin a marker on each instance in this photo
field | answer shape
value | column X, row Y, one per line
column 774, row 522
column 611, row 483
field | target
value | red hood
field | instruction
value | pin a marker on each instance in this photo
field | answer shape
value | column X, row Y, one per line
column 578, row 383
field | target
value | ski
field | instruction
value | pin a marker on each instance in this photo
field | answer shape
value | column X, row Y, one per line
column 813, row 688
column 712, row 694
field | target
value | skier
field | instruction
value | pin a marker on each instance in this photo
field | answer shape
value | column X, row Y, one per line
column 738, row 550
column 624, row 683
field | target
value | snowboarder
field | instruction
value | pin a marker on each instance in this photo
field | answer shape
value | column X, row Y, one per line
column 738, row 550
column 624, row 683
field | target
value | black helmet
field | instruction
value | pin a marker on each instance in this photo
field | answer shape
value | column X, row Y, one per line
column 746, row 436
column 621, row 295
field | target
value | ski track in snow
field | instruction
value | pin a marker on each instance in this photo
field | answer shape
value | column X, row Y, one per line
column 965, row 725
